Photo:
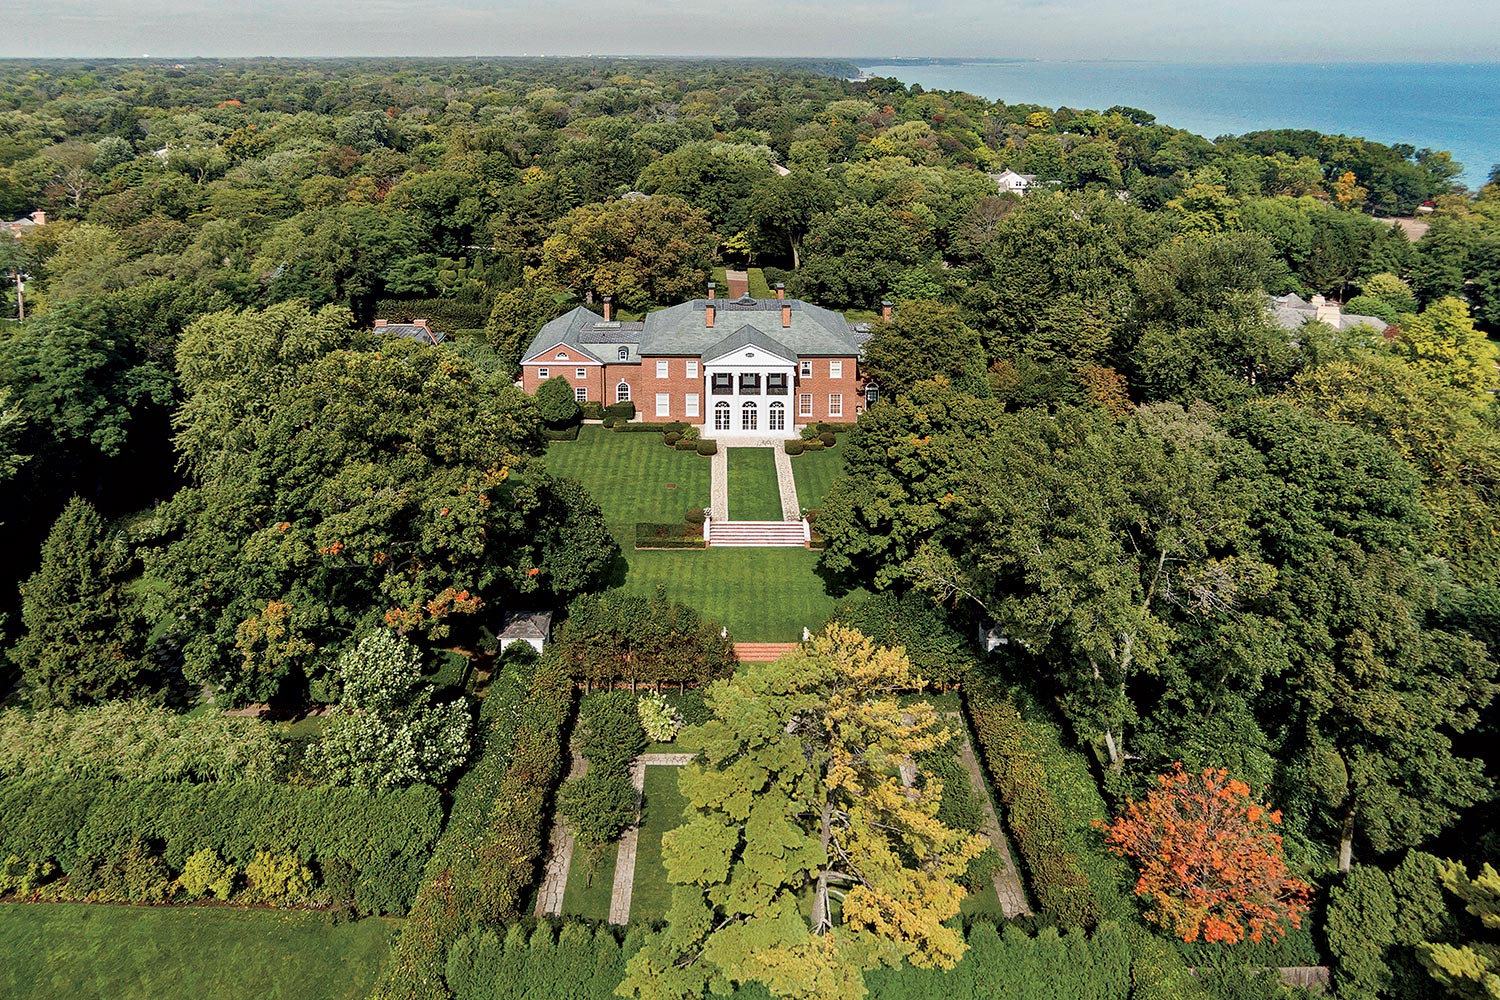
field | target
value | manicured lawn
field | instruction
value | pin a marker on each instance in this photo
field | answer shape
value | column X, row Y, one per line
column 652, row 893
column 80, row 952
column 633, row 476
column 760, row 595
column 815, row 472
column 753, row 494
column 590, row 898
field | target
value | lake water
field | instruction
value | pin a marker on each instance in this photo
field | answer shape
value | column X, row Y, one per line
column 1452, row 106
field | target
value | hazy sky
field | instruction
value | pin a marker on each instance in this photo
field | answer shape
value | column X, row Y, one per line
column 1168, row 30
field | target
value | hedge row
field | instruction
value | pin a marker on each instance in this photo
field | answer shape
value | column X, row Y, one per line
column 564, row 434
column 83, row 826
column 652, row 428
column 444, row 315
column 1050, row 801
column 667, row 536
column 585, row 964
column 489, row 852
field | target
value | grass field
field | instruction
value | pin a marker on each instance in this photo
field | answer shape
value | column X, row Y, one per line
column 761, row 595
column 815, row 472
column 89, row 952
column 586, row 898
column 633, row 476
column 753, row 494
column 652, row 893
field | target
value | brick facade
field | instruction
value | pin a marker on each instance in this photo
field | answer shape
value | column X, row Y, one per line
column 821, row 385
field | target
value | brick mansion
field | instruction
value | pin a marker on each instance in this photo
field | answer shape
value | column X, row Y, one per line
column 745, row 366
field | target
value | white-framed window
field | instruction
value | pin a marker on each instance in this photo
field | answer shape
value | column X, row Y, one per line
column 721, row 416
column 692, row 369
column 835, row 404
column 804, row 404
column 580, row 373
column 623, row 353
column 581, row 394
column 662, row 368
column 777, row 419
column 749, row 417
column 663, row 404
column 562, row 355
column 806, row 369
column 835, row 369
column 872, row 393
column 542, row 374
column 690, row 408
column 622, row 392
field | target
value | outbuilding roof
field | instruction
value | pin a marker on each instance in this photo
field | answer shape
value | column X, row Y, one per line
column 526, row 625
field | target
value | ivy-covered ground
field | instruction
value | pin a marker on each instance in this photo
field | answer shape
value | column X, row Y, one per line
column 760, row 595
column 88, row 952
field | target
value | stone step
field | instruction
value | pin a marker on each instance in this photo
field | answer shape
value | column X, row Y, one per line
column 745, row 534
column 762, row 652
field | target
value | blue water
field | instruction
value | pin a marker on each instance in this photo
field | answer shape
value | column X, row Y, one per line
column 1452, row 106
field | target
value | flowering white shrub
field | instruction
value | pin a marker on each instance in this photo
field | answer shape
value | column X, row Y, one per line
column 658, row 718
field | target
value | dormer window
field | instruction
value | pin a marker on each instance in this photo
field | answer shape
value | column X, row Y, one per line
column 624, row 353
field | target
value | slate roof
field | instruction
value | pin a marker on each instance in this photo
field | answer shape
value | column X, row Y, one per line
column 526, row 625
column 682, row 330
column 749, row 336
column 411, row 331
column 1290, row 311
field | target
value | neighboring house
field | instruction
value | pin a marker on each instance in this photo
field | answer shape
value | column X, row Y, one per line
column 417, row 329
column 741, row 366
column 1012, row 182
column 25, row 223
column 1291, row 311
column 531, row 627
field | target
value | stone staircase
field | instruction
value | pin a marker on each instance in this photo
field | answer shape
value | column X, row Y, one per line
column 762, row 652
column 764, row 534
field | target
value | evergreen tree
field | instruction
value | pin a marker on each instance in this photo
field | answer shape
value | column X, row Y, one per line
column 83, row 643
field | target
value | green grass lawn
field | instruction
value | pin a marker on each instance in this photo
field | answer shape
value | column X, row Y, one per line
column 760, row 595
column 753, row 493
column 633, row 476
column 589, row 898
column 652, row 893
column 815, row 472
column 82, row 951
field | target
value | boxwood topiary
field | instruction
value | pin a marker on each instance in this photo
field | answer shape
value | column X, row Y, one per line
column 706, row 447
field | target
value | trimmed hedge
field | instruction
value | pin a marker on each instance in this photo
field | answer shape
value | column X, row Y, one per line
column 585, row 964
column 591, row 410
column 1070, row 878
column 84, row 825
column 488, row 855
column 566, row 434
column 673, row 426
column 621, row 411
column 706, row 447
column 667, row 536
column 795, row 447
column 444, row 315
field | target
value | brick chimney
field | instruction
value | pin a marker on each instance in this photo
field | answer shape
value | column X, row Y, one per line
column 708, row 311
column 40, row 218
column 781, row 289
column 885, row 310
column 609, row 308
column 380, row 322
column 419, row 322
column 711, row 287
column 786, row 314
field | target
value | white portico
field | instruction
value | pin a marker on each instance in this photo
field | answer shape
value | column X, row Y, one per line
column 747, row 381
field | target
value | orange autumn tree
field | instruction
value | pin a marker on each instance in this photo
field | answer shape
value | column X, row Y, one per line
column 1210, row 859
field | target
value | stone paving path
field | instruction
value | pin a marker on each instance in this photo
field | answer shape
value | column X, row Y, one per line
column 718, row 471
column 1007, row 880
column 619, row 900
column 791, row 510
column 549, row 898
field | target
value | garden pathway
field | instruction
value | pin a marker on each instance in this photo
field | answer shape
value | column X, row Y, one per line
column 549, row 898
column 1007, row 880
column 791, row 510
column 786, row 483
column 718, row 466
column 619, row 900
